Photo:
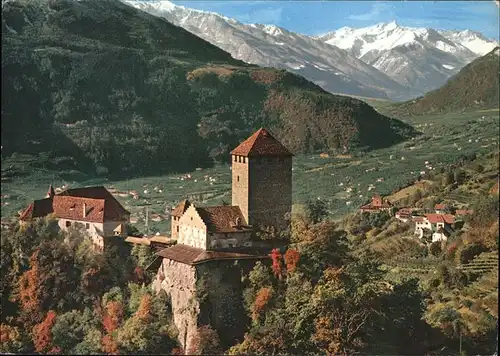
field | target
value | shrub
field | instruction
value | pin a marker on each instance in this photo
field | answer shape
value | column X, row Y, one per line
column 435, row 248
column 468, row 252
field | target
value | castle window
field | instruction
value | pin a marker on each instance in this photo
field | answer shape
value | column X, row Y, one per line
column 244, row 159
column 87, row 226
column 235, row 158
column 238, row 178
column 177, row 228
column 239, row 159
column 68, row 223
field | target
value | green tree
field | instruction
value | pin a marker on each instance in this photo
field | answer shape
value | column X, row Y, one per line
column 71, row 328
column 316, row 210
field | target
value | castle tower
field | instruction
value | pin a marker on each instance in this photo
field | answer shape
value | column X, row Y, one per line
column 262, row 180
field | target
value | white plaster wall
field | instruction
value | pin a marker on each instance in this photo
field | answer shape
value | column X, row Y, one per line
column 192, row 229
column 438, row 237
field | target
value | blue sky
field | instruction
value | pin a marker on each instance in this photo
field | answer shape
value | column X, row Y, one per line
column 317, row 17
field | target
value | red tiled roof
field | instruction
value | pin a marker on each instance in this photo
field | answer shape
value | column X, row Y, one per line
column 418, row 219
column 440, row 206
column 222, row 218
column 440, row 218
column 100, row 206
column 37, row 209
column 181, row 208
column 366, row 207
column 192, row 255
column 261, row 143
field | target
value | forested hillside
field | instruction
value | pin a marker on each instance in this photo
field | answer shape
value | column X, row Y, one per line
column 105, row 88
column 476, row 86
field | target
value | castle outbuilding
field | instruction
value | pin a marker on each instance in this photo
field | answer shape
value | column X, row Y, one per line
column 91, row 209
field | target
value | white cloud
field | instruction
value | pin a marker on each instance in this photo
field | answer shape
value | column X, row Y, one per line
column 378, row 10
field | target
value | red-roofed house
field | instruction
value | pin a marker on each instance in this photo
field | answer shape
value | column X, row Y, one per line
column 404, row 214
column 377, row 204
column 92, row 209
column 439, row 224
column 440, row 208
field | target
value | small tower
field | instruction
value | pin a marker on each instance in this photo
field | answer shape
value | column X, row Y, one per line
column 262, row 180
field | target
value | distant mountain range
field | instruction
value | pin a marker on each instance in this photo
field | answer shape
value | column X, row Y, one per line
column 421, row 58
column 382, row 61
column 476, row 86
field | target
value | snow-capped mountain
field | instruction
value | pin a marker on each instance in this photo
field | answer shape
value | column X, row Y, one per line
column 334, row 69
column 385, row 60
column 422, row 58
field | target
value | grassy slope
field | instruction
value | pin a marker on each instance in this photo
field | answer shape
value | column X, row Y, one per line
column 475, row 87
column 103, row 87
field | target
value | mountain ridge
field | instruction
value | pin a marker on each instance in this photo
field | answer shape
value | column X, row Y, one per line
column 476, row 87
column 398, row 73
column 100, row 84
column 267, row 45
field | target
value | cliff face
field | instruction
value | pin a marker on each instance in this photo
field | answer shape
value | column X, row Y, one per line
column 178, row 280
column 210, row 293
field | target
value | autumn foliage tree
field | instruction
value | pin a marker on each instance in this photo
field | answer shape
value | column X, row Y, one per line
column 42, row 334
column 277, row 259
column 292, row 258
column 29, row 292
column 261, row 301
column 205, row 342
column 112, row 316
column 144, row 310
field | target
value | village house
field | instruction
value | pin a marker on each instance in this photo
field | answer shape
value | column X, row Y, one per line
column 91, row 209
column 404, row 214
column 212, row 241
column 377, row 204
column 441, row 208
column 439, row 224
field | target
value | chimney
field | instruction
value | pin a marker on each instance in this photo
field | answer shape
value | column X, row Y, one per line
column 84, row 210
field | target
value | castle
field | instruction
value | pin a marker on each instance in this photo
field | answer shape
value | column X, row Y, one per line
column 212, row 240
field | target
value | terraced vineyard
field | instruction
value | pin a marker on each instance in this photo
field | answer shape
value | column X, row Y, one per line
column 484, row 266
column 485, row 262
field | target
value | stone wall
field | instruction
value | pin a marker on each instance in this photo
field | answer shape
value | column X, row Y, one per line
column 262, row 188
column 220, row 293
column 270, row 188
column 179, row 281
column 239, row 185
